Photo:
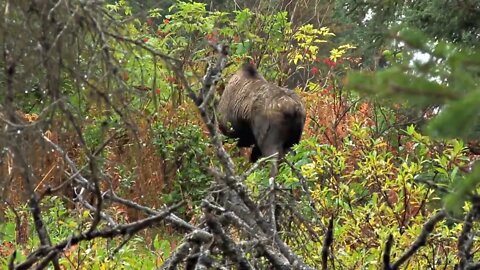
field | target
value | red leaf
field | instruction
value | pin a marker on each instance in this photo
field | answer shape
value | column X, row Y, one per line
column 150, row 21
column 329, row 62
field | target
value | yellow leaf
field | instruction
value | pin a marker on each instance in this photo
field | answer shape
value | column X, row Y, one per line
column 297, row 57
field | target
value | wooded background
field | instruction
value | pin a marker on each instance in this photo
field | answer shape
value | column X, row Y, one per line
column 109, row 161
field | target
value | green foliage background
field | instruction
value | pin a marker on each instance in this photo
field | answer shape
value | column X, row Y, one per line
column 361, row 165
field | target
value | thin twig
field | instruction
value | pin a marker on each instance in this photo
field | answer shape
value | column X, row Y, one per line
column 126, row 229
column 127, row 238
column 421, row 239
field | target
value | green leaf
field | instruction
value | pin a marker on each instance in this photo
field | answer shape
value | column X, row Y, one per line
column 413, row 37
column 243, row 17
column 462, row 191
column 394, row 82
column 165, row 248
column 457, row 119
column 243, row 48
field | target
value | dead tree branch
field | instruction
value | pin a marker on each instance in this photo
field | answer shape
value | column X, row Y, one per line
column 126, row 229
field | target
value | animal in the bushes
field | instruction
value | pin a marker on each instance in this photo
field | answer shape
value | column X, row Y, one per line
column 260, row 114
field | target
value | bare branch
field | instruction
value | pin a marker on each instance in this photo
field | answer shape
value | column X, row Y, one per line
column 103, row 215
column 127, row 229
column 465, row 239
column 111, row 195
column 176, row 257
column 387, row 253
column 181, row 253
column 229, row 247
column 327, row 243
column 421, row 239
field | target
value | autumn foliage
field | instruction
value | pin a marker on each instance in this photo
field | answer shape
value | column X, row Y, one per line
column 359, row 169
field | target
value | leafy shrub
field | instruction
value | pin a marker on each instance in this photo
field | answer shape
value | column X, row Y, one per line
column 372, row 192
column 184, row 149
column 372, row 182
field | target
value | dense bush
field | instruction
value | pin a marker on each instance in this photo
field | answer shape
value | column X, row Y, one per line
column 362, row 176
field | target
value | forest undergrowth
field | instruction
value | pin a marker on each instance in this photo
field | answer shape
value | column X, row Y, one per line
column 109, row 162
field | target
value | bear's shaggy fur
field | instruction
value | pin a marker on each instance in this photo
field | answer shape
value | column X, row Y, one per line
column 259, row 113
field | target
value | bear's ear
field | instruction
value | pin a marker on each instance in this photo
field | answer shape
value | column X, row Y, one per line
column 250, row 70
